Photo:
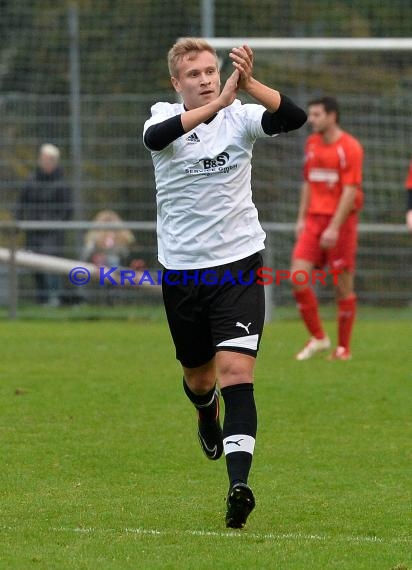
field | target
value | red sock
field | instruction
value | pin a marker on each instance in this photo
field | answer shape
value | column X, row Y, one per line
column 308, row 307
column 346, row 317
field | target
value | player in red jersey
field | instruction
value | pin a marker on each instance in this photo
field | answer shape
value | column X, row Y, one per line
column 408, row 185
column 326, row 228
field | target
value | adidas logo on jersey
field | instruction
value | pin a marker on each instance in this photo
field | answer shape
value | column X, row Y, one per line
column 193, row 138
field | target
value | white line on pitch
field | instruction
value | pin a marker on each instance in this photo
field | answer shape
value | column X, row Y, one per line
column 244, row 534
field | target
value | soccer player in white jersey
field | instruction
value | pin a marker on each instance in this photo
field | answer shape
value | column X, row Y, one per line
column 209, row 241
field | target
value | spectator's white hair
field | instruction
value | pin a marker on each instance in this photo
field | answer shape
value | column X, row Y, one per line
column 50, row 150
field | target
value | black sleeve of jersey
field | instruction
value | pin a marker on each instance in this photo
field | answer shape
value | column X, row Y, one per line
column 157, row 137
column 288, row 117
column 409, row 200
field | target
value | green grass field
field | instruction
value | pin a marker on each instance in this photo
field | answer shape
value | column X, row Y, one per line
column 101, row 469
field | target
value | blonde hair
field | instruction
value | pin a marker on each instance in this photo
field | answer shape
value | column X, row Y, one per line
column 97, row 238
column 182, row 47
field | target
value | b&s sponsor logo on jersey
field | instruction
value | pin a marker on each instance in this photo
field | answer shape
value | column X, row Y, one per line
column 219, row 160
column 208, row 166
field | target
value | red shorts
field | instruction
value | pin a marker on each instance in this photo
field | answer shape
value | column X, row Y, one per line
column 342, row 256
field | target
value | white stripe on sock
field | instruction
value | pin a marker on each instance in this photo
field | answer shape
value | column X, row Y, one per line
column 239, row 442
column 209, row 403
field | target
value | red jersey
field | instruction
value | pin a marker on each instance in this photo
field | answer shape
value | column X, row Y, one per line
column 328, row 168
column 408, row 181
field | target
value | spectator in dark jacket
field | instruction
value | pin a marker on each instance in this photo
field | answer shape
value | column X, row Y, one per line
column 408, row 186
column 46, row 197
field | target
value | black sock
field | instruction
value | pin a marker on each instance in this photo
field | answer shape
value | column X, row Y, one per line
column 239, row 430
column 206, row 404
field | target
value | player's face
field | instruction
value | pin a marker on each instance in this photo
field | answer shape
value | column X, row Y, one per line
column 198, row 79
column 319, row 119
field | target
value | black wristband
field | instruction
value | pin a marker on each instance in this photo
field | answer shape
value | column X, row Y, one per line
column 409, row 199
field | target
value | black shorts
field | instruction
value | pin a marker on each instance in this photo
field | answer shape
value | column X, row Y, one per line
column 217, row 308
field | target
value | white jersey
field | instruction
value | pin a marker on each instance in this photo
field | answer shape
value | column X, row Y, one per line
column 205, row 213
